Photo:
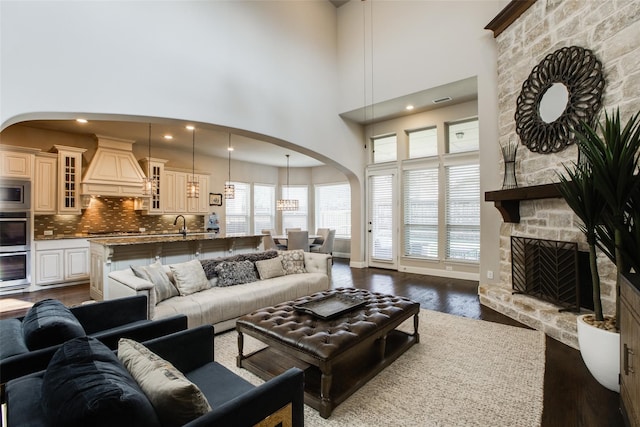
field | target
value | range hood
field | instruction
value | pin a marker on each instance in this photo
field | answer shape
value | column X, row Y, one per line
column 113, row 170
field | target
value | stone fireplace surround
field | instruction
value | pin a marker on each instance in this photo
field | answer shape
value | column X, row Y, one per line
column 611, row 30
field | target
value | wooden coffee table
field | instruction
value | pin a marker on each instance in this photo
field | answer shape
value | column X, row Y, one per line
column 339, row 355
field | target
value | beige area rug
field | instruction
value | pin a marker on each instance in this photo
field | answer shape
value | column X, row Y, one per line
column 464, row 372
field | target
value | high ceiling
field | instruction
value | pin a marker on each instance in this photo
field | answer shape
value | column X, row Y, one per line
column 212, row 141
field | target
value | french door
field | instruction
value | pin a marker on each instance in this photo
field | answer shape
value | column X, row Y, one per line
column 382, row 226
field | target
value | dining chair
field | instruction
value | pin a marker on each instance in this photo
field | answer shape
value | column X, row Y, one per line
column 270, row 244
column 327, row 245
column 323, row 233
column 298, row 240
column 287, row 230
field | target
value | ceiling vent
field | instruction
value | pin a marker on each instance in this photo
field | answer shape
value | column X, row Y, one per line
column 439, row 100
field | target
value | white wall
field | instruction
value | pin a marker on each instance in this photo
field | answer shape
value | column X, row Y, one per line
column 418, row 45
column 282, row 70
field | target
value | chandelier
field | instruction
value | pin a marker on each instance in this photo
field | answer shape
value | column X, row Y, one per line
column 287, row 204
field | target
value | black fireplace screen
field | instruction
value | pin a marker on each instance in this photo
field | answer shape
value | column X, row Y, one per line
column 546, row 269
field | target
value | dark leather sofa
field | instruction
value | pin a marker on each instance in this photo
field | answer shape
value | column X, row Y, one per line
column 107, row 321
column 234, row 401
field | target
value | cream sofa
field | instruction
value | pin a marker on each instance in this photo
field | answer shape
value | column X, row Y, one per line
column 221, row 306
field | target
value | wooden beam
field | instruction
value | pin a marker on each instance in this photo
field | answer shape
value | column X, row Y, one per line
column 508, row 15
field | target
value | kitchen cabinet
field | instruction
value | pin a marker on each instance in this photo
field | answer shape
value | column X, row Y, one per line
column 69, row 176
column 62, row 261
column 630, row 348
column 174, row 193
column 16, row 162
column 155, row 168
column 45, row 183
column 201, row 204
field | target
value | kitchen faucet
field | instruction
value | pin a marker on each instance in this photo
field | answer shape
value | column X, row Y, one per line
column 183, row 230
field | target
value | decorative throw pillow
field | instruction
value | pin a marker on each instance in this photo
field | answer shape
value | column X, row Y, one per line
column 86, row 385
column 210, row 265
column 293, row 261
column 189, row 277
column 175, row 399
column 154, row 273
column 235, row 273
column 269, row 268
column 49, row 322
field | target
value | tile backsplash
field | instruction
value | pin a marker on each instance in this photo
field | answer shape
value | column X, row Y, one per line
column 112, row 214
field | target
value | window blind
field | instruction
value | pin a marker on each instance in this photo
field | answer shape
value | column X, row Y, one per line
column 333, row 208
column 463, row 212
column 238, row 211
column 381, row 216
column 296, row 219
column 264, row 207
column 420, row 212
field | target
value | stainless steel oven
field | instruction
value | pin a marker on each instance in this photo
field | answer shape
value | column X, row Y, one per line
column 15, row 195
column 15, row 250
column 15, row 232
column 15, row 270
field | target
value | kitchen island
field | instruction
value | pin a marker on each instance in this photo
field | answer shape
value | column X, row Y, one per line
column 117, row 253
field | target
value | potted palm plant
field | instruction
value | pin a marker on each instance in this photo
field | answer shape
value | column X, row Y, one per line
column 603, row 190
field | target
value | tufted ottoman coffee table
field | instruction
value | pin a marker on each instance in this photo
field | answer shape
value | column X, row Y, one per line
column 338, row 355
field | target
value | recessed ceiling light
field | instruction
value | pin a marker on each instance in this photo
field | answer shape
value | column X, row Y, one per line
column 409, row 107
column 190, row 127
column 168, row 137
column 82, row 120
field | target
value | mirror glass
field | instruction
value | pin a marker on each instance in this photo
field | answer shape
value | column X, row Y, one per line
column 553, row 102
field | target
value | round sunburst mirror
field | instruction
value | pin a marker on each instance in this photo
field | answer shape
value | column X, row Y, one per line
column 562, row 91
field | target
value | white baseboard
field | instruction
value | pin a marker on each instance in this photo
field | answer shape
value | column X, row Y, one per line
column 441, row 273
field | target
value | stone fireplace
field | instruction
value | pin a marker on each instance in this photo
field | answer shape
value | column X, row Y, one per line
column 611, row 30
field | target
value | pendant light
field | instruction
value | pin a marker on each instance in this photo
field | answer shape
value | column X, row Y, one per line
column 287, row 204
column 229, row 189
column 148, row 181
column 193, row 184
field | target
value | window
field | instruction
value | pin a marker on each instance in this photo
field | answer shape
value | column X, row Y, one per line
column 384, row 149
column 421, row 212
column 238, row 211
column 463, row 212
column 296, row 219
column 333, row 208
column 464, row 136
column 423, row 143
column 264, row 207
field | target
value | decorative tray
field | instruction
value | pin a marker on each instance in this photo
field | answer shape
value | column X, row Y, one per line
column 330, row 306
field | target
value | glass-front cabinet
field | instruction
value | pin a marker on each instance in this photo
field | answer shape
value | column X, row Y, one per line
column 69, row 176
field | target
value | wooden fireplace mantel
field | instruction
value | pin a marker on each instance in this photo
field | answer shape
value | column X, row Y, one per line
column 508, row 201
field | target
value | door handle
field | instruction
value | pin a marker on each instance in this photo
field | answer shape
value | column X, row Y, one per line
column 627, row 351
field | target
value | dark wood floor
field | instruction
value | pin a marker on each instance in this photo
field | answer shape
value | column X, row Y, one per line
column 571, row 396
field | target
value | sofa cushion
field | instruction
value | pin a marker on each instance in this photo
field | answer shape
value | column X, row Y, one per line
column 189, row 277
column 293, row 261
column 12, row 338
column 86, row 385
column 210, row 265
column 270, row 268
column 235, row 273
column 49, row 322
column 161, row 284
column 175, row 399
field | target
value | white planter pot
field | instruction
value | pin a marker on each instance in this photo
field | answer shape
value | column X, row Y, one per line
column 600, row 350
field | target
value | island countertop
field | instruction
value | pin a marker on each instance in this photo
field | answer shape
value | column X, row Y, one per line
column 109, row 254
column 165, row 238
